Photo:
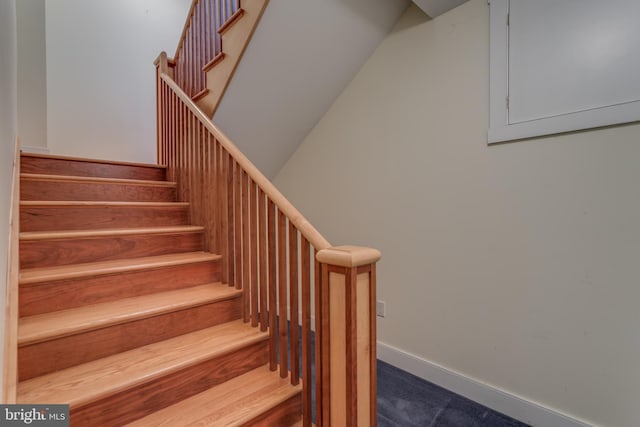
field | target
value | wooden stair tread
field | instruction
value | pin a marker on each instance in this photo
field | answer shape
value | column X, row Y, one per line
column 42, row 274
column 76, row 203
column 76, row 234
column 83, row 159
column 88, row 179
column 86, row 383
column 233, row 403
column 56, row 324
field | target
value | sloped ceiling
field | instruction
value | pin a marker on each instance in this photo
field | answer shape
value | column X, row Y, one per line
column 302, row 55
column 434, row 8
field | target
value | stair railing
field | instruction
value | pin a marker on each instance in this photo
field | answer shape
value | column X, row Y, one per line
column 288, row 272
column 200, row 43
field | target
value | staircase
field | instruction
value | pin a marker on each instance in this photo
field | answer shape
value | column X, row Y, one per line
column 122, row 313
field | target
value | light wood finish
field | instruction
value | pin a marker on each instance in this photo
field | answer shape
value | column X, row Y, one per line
column 238, row 402
column 338, row 351
column 46, row 249
column 85, row 345
column 91, row 381
column 57, row 187
column 63, row 323
column 147, row 398
column 349, row 256
column 123, row 387
column 363, row 348
column 48, row 274
column 305, row 266
column 64, row 165
column 48, row 216
column 301, row 223
column 49, row 296
column 235, row 40
column 10, row 312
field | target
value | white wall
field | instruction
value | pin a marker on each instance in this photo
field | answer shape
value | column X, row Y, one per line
column 515, row 264
column 100, row 74
column 302, row 55
column 8, row 132
column 32, row 73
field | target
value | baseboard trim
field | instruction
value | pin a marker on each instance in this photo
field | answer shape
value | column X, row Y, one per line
column 35, row 150
column 499, row 400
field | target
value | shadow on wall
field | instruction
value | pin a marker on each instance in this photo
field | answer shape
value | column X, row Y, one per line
column 363, row 8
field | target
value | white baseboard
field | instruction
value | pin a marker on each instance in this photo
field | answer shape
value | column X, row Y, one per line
column 35, row 150
column 499, row 400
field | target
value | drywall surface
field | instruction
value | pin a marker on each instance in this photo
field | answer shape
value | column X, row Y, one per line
column 32, row 73
column 8, row 132
column 303, row 53
column 101, row 77
column 515, row 264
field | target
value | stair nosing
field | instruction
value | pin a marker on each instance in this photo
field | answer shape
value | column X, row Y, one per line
column 284, row 388
column 87, row 179
column 153, row 308
column 32, row 276
column 83, row 203
column 88, row 160
column 127, row 382
column 77, row 234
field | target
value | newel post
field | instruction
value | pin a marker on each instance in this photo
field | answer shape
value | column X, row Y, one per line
column 347, row 339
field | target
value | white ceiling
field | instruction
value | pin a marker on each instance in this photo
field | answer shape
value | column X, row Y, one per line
column 302, row 55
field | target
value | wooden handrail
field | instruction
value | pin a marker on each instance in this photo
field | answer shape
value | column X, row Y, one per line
column 266, row 247
column 301, row 223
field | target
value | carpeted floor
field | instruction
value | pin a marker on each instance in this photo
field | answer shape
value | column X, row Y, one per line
column 406, row 400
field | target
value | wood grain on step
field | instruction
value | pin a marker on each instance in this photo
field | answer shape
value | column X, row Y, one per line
column 49, row 164
column 87, row 247
column 48, row 216
column 245, row 400
column 96, row 380
column 58, row 324
column 63, row 294
column 49, row 356
column 51, row 187
column 148, row 398
column 62, row 272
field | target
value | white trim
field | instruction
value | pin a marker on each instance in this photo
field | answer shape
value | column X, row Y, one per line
column 502, row 129
column 499, row 400
column 35, row 150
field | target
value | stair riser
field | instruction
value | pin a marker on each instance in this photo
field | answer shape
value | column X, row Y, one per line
column 87, row 168
column 140, row 401
column 39, row 218
column 49, row 356
column 49, row 253
column 94, row 191
column 285, row 414
column 71, row 293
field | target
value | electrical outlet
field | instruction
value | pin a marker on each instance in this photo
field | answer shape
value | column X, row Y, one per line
column 380, row 308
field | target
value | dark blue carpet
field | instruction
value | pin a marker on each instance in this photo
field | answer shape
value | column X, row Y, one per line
column 406, row 400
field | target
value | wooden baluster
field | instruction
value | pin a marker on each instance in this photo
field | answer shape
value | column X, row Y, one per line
column 210, row 189
column 273, row 319
column 263, row 260
column 317, row 289
column 226, row 200
column 348, row 324
column 254, row 254
column 293, row 303
column 237, row 180
column 307, row 386
column 228, row 211
column 196, row 47
column 245, row 247
column 282, row 291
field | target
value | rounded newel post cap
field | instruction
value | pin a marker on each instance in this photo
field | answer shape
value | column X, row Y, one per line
column 348, row 256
